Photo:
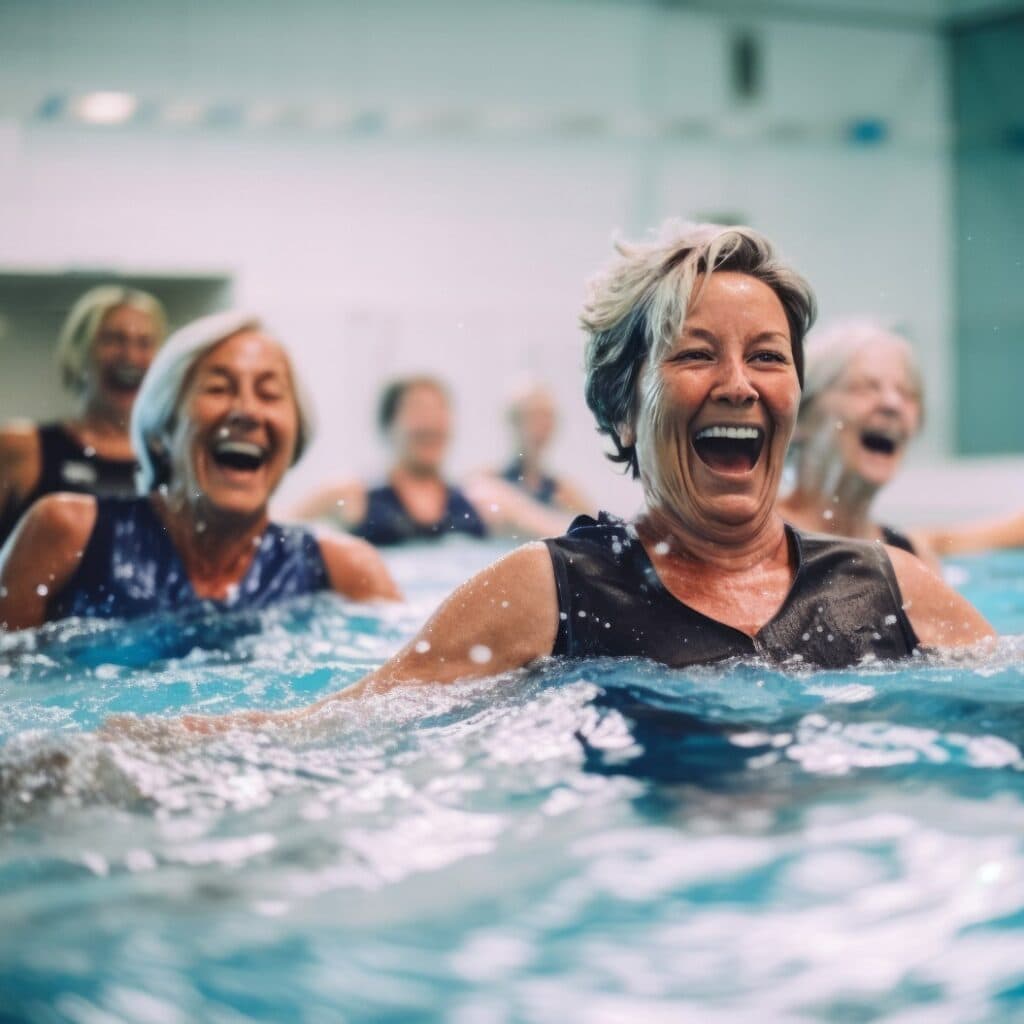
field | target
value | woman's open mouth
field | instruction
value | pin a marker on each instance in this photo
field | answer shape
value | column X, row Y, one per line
column 729, row 449
column 124, row 377
column 241, row 456
column 880, row 443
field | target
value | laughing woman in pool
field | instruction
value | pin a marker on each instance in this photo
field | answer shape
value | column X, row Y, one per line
column 105, row 347
column 694, row 366
column 218, row 422
column 861, row 407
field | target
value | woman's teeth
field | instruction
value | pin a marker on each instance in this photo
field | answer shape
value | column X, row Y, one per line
column 239, row 454
column 735, row 433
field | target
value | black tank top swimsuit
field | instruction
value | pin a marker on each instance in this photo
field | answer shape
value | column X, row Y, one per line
column 844, row 605
column 546, row 487
column 130, row 567
column 65, row 465
column 895, row 539
column 387, row 522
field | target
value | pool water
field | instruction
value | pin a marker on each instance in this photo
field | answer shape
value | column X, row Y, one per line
column 593, row 842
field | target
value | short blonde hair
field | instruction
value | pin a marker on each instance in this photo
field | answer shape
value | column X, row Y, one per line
column 83, row 323
column 156, row 407
column 637, row 307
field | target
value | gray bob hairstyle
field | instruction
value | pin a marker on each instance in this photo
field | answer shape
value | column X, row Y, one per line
column 156, row 407
column 636, row 308
column 83, row 323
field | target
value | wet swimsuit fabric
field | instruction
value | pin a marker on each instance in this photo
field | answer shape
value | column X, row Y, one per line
column 388, row 522
column 65, row 465
column 130, row 567
column 895, row 539
column 844, row 604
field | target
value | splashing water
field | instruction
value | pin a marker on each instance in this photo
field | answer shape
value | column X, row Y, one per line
column 603, row 841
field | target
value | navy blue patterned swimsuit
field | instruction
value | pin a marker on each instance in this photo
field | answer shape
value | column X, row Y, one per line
column 130, row 567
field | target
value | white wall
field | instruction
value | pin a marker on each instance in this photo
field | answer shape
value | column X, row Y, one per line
column 467, row 254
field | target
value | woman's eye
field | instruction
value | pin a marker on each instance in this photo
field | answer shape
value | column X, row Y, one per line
column 691, row 355
column 770, row 357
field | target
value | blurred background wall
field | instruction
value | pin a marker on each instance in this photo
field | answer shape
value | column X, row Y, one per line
column 426, row 186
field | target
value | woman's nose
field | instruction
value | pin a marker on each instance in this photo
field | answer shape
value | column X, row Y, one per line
column 733, row 385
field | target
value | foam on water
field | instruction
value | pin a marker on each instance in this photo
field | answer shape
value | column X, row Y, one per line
column 605, row 841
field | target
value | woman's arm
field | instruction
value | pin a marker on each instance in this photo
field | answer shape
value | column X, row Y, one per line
column 41, row 556
column 20, row 456
column 572, row 500
column 507, row 511
column 356, row 570
column 503, row 618
column 941, row 617
column 984, row 536
column 343, row 503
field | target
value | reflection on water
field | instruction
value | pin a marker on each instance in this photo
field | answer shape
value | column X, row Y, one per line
column 590, row 842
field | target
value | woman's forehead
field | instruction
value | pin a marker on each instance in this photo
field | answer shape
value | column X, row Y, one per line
column 731, row 297
column 249, row 350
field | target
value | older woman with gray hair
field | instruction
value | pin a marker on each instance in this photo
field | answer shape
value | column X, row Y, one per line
column 104, row 349
column 220, row 419
column 694, row 365
column 862, row 405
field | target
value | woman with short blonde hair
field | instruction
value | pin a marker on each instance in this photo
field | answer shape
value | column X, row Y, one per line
column 104, row 349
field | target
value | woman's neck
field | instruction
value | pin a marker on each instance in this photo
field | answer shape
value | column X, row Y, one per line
column 415, row 476
column 102, row 422
column 216, row 549
column 844, row 509
column 531, row 467
column 727, row 549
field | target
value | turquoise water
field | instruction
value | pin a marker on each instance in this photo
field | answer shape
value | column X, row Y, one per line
column 600, row 842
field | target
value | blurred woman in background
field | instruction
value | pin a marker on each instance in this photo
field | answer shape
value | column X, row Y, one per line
column 533, row 417
column 416, row 502
column 861, row 407
column 105, row 347
column 220, row 419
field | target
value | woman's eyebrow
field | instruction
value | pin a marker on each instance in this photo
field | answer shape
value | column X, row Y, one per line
column 701, row 333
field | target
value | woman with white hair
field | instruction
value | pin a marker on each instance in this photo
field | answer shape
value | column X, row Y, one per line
column 861, row 407
column 220, row 419
column 694, row 366
column 105, row 347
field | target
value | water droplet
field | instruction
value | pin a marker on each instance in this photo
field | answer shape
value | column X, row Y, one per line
column 890, row 620
column 582, row 614
column 422, row 646
column 42, row 590
column 661, row 548
column 480, row 653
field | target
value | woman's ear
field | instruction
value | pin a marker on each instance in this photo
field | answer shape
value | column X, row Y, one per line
column 626, row 434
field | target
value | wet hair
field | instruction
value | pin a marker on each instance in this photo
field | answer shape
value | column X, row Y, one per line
column 156, row 408
column 637, row 307
column 393, row 393
column 832, row 348
column 82, row 324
